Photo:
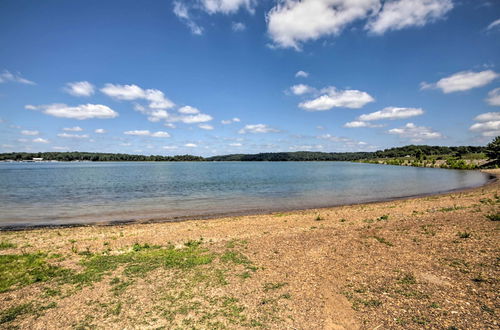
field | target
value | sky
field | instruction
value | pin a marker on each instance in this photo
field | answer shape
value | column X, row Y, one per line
column 213, row 77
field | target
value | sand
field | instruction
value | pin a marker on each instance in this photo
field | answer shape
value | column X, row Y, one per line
column 428, row 262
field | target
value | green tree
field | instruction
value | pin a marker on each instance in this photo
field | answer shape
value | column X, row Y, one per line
column 493, row 149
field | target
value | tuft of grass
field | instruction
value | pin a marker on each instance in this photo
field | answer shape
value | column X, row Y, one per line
column 408, row 279
column 18, row 270
column 384, row 217
column 235, row 257
column 274, row 286
column 464, row 234
column 343, row 220
column 319, row 218
column 10, row 314
column 494, row 217
column 7, row 245
column 383, row 240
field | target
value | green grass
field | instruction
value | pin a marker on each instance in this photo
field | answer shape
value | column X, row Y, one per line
column 274, row 286
column 383, row 240
column 234, row 257
column 7, row 245
column 18, row 270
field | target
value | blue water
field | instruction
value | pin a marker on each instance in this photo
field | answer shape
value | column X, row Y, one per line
column 74, row 193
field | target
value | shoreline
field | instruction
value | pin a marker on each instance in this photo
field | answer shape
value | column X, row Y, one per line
column 158, row 220
column 426, row 262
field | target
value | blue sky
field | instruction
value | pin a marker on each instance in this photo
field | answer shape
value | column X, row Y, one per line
column 212, row 77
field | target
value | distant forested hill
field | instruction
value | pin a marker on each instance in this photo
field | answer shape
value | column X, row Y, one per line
column 410, row 150
column 93, row 156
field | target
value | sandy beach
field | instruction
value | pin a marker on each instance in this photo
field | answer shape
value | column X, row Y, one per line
column 427, row 262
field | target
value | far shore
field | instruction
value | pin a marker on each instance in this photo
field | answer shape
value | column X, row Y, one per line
column 411, row 263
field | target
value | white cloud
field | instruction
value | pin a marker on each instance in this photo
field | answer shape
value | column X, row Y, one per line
column 392, row 113
column 230, row 121
column 182, row 11
column 257, row 128
column 301, row 89
column 23, row 140
column 206, row 127
column 488, row 116
column 415, row 133
column 138, row 132
column 227, row 6
column 169, row 125
column 79, row 88
column 7, row 76
column 190, row 145
column 27, row 132
column 292, row 22
column 493, row 24
column 188, row 110
column 60, row 148
column 400, row 14
column 494, row 97
column 158, row 134
column 169, row 147
column 155, row 97
column 463, row 81
column 238, row 26
column 488, row 124
column 73, row 136
column 236, row 144
column 301, row 74
column 191, row 119
column 350, row 98
column 100, row 131
column 358, row 123
column 40, row 140
column 73, row 129
column 80, row 112
column 154, row 115
column 306, row 147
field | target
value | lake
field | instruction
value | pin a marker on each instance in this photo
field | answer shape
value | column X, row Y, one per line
column 77, row 193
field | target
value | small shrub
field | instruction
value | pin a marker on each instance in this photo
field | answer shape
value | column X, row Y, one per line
column 464, row 234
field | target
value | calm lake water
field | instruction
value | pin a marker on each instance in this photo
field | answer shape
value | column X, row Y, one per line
column 72, row 193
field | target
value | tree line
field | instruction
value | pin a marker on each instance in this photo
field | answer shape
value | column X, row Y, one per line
column 417, row 151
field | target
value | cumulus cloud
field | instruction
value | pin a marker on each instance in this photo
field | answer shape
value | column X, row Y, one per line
column 7, row 76
column 73, row 129
column 40, row 140
column 188, row 110
column 169, row 147
column 206, row 127
column 238, row 26
column 333, row 98
column 415, row 133
column 158, row 134
column 392, row 113
column 301, row 89
column 358, row 123
column 27, row 132
column 79, row 88
column 301, row 74
column 400, row 14
column 227, row 6
column 191, row 145
column 155, row 97
column 73, row 136
column 80, row 112
column 230, row 121
column 494, row 97
column 100, row 131
column 182, row 12
column 462, row 81
column 191, row 119
column 257, row 128
column 292, row 22
column 493, row 24
column 488, row 124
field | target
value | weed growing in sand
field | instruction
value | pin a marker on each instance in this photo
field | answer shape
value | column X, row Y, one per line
column 494, row 217
column 274, row 286
column 383, row 240
column 464, row 234
column 319, row 218
column 343, row 220
column 384, row 217
column 7, row 245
